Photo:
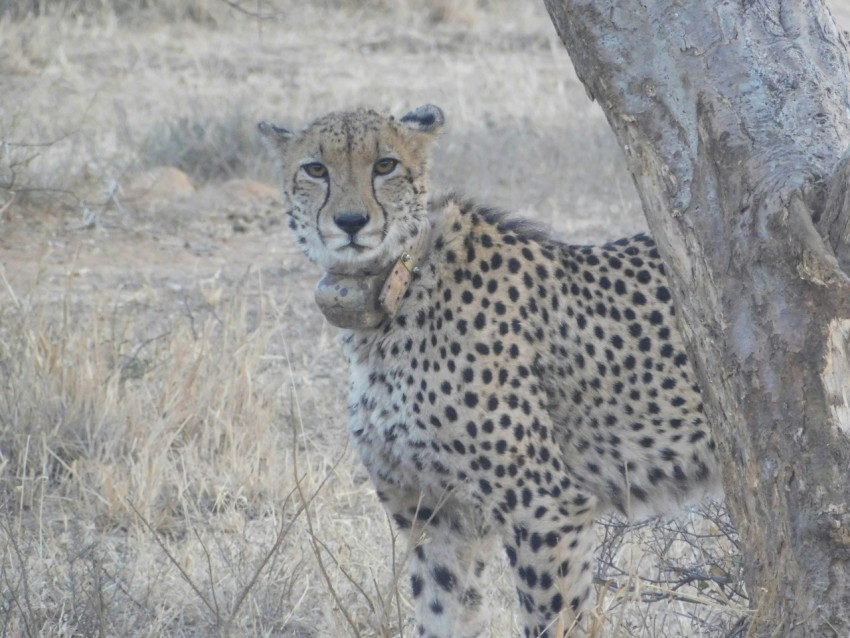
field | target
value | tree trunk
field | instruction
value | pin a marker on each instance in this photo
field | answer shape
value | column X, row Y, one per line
column 733, row 116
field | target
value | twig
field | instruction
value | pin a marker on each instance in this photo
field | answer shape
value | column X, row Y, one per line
column 284, row 530
column 314, row 541
column 256, row 15
column 298, row 423
column 9, row 288
column 212, row 578
column 172, row 559
column 13, row 543
column 6, row 205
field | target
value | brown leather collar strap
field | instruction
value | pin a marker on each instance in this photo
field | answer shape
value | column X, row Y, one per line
column 402, row 273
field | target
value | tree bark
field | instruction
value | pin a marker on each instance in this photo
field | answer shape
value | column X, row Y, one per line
column 733, row 116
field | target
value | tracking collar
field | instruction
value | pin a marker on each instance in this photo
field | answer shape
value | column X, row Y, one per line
column 362, row 302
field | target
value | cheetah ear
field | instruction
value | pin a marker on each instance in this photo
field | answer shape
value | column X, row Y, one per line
column 275, row 137
column 426, row 119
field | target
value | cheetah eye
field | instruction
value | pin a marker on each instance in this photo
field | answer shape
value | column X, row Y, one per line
column 385, row 166
column 316, row 169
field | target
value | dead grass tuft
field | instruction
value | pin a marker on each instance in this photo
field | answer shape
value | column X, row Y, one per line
column 208, row 148
column 135, row 462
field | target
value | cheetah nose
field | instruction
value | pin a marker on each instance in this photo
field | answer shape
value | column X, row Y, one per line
column 351, row 222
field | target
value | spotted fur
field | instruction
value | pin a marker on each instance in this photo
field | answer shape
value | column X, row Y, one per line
column 524, row 387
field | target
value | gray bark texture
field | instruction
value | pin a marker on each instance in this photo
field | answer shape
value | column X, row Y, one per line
column 734, row 116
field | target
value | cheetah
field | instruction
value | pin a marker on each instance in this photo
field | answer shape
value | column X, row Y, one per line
column 505, row 388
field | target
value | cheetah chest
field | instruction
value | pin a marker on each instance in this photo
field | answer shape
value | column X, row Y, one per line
column 394, row 403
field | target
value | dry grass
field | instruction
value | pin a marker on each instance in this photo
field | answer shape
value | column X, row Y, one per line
column 173, row 453
column 160, row 479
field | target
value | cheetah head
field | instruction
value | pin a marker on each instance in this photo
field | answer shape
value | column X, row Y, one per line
column 355, row 185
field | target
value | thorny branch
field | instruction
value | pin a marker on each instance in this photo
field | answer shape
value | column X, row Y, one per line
column 697, row 564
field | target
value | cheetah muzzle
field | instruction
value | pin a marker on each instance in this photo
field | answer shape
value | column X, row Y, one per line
column 505, row 388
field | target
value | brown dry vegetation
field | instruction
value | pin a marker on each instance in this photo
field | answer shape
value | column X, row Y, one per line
column 173, row 453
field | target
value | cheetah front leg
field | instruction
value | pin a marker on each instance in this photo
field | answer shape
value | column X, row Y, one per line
column 550, row 550
column 451, row 549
